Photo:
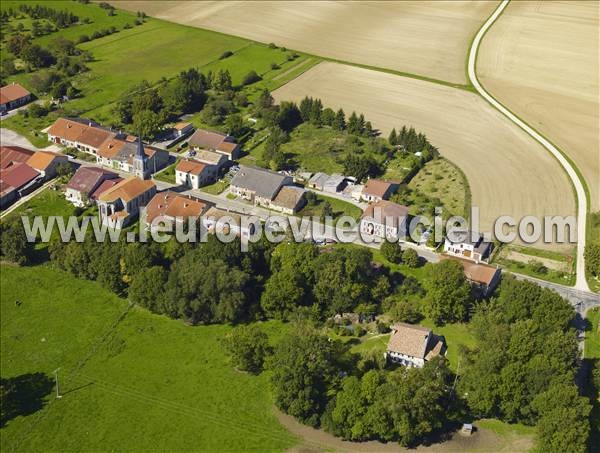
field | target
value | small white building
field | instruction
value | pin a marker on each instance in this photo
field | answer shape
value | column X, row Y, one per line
column 412, row 346
column 194, row 174
column 473, row 247
column 215, row 219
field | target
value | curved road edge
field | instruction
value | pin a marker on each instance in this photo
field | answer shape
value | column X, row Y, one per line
column 581, row 282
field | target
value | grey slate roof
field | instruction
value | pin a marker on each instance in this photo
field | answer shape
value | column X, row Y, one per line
column 264, row 183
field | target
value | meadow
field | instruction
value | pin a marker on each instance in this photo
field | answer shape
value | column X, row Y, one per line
column 130, row 380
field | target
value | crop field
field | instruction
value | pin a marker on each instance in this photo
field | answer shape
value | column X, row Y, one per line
column 508, row 173
column 541, row 60
column 410, row 36
column 130, row 380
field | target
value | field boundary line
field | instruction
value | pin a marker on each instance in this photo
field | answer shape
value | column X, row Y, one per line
column 565, row 162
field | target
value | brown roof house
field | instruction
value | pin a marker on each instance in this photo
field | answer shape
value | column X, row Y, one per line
column 215, row 141
column 377, row 190
column 83, row 135
column 13, row 96
column 17, row 180
column 194, row 174
column 172, row 207
column 289, row 200
column 384, row 219
column 85, row 182
column 412, row 346
column 121, row 204
column 229, row 221
column 482, row 277
column 258, row 185
column 46, row 162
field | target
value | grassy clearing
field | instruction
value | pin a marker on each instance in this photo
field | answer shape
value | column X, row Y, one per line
column 543, row 264
column 49, row 202
column 592, row 335
column 339, row 208
column 216, row 188
column 30, row 128
column 441, row 179
column 456, row 335
column 146, row 367
column 506, row 429
column 167, row 174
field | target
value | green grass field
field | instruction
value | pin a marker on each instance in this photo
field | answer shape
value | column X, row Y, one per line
column 339, row 208
column 130, row 380
column 592, row 336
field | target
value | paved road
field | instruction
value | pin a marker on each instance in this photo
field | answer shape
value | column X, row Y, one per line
column 581, row 282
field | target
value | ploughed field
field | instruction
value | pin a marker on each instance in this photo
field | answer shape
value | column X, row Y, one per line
column 508, row 173
column 540, row 59
column 426, row 38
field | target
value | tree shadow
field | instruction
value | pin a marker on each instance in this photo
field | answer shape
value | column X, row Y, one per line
column 23, row 395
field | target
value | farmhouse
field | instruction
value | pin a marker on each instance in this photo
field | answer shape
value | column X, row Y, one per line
column 211, row 158
column 79, row 134
column 194, row 174
column 482, row 277
column 229, row 221
column 46, row 162
column 318, row 180
column 473, row 247
column 258, row 185
column 289, row 200
column 172, row 207
column 131, row 157
column 334, row 184
column 412, row 346
column 384, row 219
column 13, row 96
column 377, row 190
column 85, row 182
column 121, row 204
column 215, row 141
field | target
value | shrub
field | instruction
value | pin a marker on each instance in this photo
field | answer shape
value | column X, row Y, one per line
column 226, row 54
column 410, row 257
column 37, row 111
column 274, row 66
column 391, row 251
column 272, row 45
column 250, row 78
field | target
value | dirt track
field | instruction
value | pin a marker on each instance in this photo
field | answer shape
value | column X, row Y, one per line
column 508, row 172
column 540, row 59
column 425, row 38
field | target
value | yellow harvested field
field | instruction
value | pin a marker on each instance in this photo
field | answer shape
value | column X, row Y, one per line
column 540, row 59
column 426, row 38
column 508, row 172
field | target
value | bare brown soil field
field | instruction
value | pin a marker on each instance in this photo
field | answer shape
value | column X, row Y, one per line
column 508, row 172
column 426, row 38
column 540, row 59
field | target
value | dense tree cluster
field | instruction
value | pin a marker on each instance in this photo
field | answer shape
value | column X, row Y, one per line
column 14, row 246
column 61, row 18
column 523, row 367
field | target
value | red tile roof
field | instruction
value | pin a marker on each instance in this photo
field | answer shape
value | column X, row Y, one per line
column 376, row 187
column 190, row 166
column 86, row 179
column 108, row 184
column 12, row 92
column 12, row 154
column 18, row 175
column 171, row 204
column 41, row 160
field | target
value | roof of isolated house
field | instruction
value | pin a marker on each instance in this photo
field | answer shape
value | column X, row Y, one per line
column 75, row 131
column 289, row 197
column 12, row 154
column 478, row 243
column 86, row 179
column 127, row 190
column 107, row 184
column 377, row 187
column 477, row 272
column 264, row 183
column 209, row 157
column 414, row 341
column 385, row 209
column 190, row 166
column 18, row 175
column 171, row 204
column 12, row 92
column 41, row 160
